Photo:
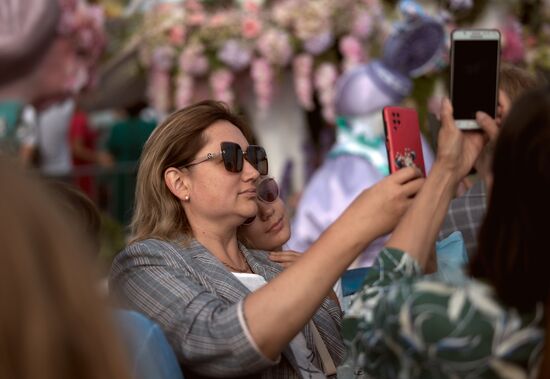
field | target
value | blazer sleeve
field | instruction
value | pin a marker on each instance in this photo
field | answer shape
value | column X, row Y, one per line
column 209, row 334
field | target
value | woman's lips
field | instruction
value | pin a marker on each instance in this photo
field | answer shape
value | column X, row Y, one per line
column 276, row 226
column 249, row 192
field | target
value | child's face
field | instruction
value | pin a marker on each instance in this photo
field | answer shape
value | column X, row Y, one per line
column 270, row 229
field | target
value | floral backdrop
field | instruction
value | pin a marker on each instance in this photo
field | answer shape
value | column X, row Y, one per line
column 192, row 45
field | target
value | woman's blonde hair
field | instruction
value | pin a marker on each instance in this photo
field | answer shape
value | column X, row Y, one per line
column 53, row 323
column 174, row 143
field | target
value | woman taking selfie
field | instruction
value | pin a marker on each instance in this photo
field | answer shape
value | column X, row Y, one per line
column 195, row 187
column 404, row 324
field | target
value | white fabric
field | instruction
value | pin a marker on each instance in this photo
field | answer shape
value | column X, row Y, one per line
column 28, row 135
column 302, row 353
column 55, row 152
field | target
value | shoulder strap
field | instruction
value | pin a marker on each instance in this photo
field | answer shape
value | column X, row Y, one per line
column 328, row 364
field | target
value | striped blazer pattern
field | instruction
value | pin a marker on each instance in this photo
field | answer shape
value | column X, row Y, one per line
column 199, row 305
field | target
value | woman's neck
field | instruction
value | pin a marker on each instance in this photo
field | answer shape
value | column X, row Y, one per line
column 222, row 243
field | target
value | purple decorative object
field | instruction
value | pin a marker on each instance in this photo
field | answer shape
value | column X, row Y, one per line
column 460, row 5
column 368, row 88
column 275, row 46
column 235, row 55
column 193, row 61
column 363, row 25
column 416, row 48
column 319, row 43
column 163, row 58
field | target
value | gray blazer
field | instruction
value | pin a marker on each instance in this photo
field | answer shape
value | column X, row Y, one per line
column 199, row 305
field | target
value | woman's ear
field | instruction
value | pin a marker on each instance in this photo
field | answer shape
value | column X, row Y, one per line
column 177, row 183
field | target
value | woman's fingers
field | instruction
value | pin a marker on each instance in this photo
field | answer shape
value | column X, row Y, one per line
column 447, row 119
column 488, row 125
column 411, row 188
column 284, row 256
column 406, row 174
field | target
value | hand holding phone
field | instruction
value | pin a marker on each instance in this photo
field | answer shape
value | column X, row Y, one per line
column 403, row 142
column 475, row 59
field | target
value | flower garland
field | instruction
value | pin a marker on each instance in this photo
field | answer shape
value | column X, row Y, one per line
column 212, row 43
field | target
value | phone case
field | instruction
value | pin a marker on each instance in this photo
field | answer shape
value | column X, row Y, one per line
column 403, row 138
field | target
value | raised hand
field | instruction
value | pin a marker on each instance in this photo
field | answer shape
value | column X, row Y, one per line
column 457, row 149
column 284, row 258
column 385, row 202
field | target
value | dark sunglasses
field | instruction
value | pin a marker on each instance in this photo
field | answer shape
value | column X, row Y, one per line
column 233, row 157
column 267, row 191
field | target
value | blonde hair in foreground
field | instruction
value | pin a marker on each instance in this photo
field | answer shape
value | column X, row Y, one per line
column 53, row 324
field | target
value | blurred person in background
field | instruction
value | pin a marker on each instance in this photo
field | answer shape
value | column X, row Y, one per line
column 492, row 325
column 53, row 322
column 85, row 152
column 48, row 49
column 54, row 151
column 125, row 144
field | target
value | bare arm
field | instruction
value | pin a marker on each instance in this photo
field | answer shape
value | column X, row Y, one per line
column 297, row 292
column 417, row 231
column 287, row 258
column 79, row 150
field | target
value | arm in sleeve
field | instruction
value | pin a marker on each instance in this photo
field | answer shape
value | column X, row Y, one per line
column 404, row 325
column 208, row 334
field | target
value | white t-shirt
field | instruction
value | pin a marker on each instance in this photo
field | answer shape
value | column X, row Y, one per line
column 55, row 152
column 303, row 355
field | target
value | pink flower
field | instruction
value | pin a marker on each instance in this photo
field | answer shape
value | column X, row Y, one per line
column 302, row 69
column 218, row 19
column 362, row 25
column 275, row 46
column 325, row 81
column 184, row 91
column 319, row 43
column 352, row 51
column 177, row 35
column 158, row 91
column 283, row 13
column 351, row 48
column 162, row 58
column 196, row 19
column 193, row 61
column 251, row 6
column 235, row 54
column 513, row 49
column 325, row 76
column 262, row 76
column 251, row 27
column 193, row 5
column 220, row 83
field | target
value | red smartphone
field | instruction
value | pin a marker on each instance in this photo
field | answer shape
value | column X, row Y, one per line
column 403, row 138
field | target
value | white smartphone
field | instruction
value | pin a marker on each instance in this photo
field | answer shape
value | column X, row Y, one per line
column 475, row 61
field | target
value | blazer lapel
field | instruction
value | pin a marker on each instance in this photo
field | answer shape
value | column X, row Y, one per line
column 226, row 284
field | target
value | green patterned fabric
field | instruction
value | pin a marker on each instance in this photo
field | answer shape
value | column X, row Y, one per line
column 406, row 325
